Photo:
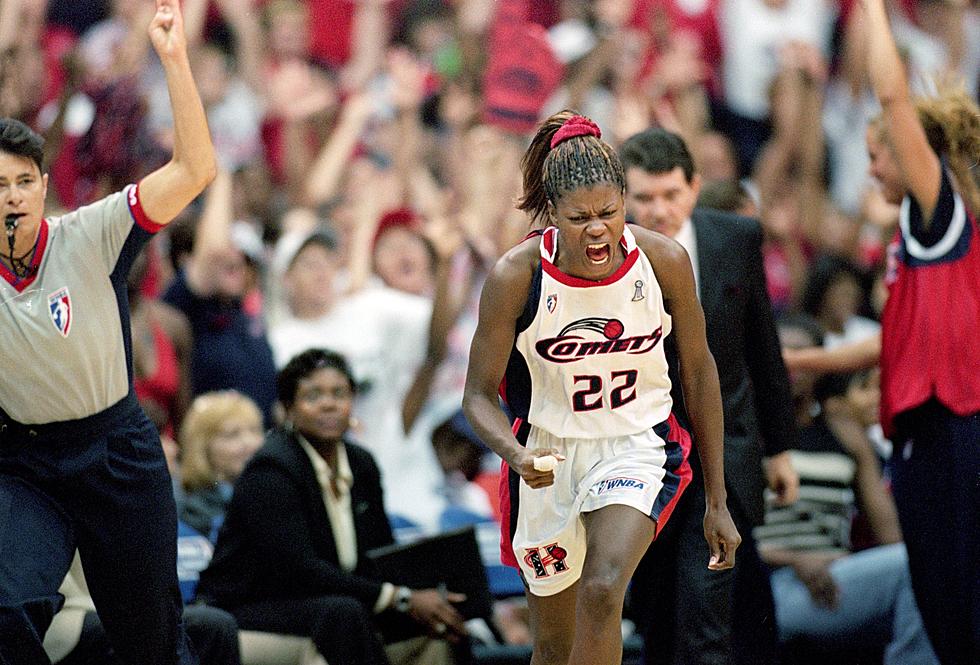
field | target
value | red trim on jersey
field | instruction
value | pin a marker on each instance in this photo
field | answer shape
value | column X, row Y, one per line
column 684, row 471
column 503, row 492
column 569, row 280
column 42, row 243
column 136, row 208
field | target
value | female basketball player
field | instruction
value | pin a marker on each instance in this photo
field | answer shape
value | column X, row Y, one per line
column 571, row 330
column 924, row 153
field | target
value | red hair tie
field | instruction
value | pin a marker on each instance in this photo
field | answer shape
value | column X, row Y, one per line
column 577, row 125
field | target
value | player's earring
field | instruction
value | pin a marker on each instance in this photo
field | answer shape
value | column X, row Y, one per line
column 353, row 423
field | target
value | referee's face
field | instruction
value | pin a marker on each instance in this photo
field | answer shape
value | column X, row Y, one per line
column 22, row 188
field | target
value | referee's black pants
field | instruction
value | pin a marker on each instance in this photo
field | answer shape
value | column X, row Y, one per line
column 99, row 484
column 936, row 483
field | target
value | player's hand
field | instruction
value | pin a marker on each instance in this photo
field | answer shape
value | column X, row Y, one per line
column 540, row 474
column 167, row 30
column 432, row 608
column 722, row 536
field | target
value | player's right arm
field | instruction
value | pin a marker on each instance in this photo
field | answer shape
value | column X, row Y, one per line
column 501, row 303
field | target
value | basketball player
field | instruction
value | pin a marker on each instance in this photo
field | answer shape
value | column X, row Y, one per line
column 80, row 464
column 924, row 154
column 571, row 330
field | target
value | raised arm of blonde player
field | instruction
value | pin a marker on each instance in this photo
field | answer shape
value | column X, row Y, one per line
column 916, row 160
column 168, row 190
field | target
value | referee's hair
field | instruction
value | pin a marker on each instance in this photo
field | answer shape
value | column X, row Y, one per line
column 16, row 138
column 581, row 161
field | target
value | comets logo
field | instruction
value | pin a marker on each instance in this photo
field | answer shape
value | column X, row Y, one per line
column 568, row 347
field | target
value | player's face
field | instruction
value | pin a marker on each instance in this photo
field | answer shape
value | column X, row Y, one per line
column 321, row 410
column 883, row 167
column 590, row 221
column 661, row 201
column 22, row 188
column 233, row 445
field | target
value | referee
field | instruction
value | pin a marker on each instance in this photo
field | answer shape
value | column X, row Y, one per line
column 80, row 464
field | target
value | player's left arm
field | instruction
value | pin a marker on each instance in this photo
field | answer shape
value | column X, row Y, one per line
column 168, row 190
column 702, row 391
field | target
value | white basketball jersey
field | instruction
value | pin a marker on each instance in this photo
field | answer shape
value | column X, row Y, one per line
column 594, row 350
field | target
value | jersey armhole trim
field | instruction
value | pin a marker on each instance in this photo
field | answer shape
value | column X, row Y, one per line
column 948, row 241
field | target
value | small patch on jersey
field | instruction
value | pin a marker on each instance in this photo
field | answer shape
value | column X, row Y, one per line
column 638, row 293
column 59, row 307
column 551, row 302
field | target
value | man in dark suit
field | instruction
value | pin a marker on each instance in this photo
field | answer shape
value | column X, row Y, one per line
column 291, row 553
column 688, row 614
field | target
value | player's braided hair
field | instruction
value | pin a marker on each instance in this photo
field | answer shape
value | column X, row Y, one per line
column 582, row 159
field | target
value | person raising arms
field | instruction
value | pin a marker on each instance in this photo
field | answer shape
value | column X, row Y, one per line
column 924, row 154
column 571, row 330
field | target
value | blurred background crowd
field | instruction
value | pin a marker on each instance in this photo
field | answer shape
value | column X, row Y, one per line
column 369, row 163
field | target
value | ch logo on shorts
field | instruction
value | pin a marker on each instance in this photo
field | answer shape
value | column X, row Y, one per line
column 554, row 557
column 622, row 482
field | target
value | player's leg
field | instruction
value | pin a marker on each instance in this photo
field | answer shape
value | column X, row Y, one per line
column 36, row 546
column 617, row 537
column 126, row 521
column 552, row 626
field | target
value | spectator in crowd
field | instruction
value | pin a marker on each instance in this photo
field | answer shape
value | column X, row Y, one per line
column 923, row 153
column 215, row 291
column 832, row 599
column 291, row 555
column 220, row 434
column 836, row 295
column 661, row 190
column 162, row 344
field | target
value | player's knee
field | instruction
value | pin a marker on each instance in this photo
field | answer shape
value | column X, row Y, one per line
column 601, row 593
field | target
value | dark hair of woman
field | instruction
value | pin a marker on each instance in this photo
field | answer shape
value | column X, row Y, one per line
column 304, row 365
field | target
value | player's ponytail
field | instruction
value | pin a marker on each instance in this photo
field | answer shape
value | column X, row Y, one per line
column 566, row 153
column 952, row 125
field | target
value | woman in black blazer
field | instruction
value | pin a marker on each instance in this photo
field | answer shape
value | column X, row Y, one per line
column 290, row 556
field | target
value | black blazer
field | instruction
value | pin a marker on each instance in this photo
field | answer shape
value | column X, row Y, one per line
column 741, row 332
column 276, row 541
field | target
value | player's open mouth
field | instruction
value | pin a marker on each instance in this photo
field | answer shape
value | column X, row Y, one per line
column 598, row 253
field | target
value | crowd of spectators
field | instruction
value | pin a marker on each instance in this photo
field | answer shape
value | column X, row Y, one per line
column 369, row 162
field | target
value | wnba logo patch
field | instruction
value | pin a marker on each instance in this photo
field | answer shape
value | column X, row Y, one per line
column 622, row 482
column 59, row 307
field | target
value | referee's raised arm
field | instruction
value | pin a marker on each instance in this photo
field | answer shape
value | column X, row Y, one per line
column 166, row 191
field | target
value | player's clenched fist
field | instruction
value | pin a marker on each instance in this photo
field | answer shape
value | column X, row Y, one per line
column 537, row 467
